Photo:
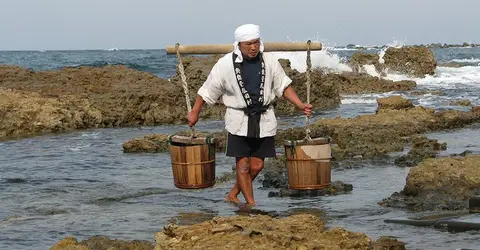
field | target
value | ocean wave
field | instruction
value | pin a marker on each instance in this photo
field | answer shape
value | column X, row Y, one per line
column 358, row 101
column 466, row 60
column 322, row 59
column 445, row 77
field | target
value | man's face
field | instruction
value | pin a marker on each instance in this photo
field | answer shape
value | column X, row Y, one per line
column 250, row 48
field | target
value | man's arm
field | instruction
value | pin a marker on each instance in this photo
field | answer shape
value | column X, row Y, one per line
column 192, row 116
column 290, row 94
column 209, row 93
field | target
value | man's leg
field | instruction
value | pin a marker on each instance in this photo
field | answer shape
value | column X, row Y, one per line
column 256, row 165
column 244, row 179
column 237, row 146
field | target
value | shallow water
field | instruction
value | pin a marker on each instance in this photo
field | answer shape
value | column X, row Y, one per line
column 82, row 184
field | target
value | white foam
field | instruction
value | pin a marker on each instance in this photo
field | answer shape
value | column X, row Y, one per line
column 367, row 98
column 323, row 59
column 466, row 60
column 394, row 44
column 358, row 101
column 446, row 77
column 370, row 69
column 341, row 49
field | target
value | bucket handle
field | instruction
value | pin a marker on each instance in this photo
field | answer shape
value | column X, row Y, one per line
column 309, row 66
column 181, row 69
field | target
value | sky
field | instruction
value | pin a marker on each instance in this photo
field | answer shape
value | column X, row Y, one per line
column 155, row 24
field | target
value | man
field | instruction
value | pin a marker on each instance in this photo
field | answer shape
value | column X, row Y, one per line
column 247, row 81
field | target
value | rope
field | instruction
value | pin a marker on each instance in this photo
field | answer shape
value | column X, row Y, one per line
column 185, row 86
column 309, row 66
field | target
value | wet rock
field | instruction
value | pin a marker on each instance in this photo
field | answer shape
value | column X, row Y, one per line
column 474, row 204
column 359, row 59
column 363, row 83
column 101, row 243
column 336, row 188
column 155, row 143
column 69, row 243
column 25, row 113
column 148, row 144
column 85, row 97
column 323, row 93
column 388, row 243
column 375, row 135
column 411, row 60
column 185, row 218
column 461, row 103
column 416, row 61
column 445, row 45
column 422, row 148
column 394, row 102
column 425, row 92
column 439, row 184
column 260, row 232
column 275, row 173
column 33, row 103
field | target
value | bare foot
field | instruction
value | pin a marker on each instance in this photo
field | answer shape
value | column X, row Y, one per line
column 232, row 198
column 247, row 206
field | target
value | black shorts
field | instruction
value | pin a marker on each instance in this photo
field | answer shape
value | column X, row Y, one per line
column 241, row 146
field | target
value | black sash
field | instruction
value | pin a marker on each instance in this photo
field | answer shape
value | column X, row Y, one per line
column 252, row 111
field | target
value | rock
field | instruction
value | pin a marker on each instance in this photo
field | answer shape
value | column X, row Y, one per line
column 25, row 113
column 336, row 188
column 359, row 59
column 461, row 103
column 439, row 184
column 34, row 103
column 422, row 148
column 475, row 109
column 69, row 243
column 416, row 61
column 474, row 204
column 148, row 144
column 101, row 243
column 323, row 93
column 156, row 143
column 362, row 83
column 388, row 243
column 394, row 102
column 301, row 231
column 425, row 92
column 374, row 135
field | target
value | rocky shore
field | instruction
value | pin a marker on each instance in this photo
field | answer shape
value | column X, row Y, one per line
column 34, row 103
column 394, row 125
column 302, row 231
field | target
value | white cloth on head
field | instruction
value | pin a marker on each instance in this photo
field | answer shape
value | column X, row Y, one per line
column 244, row 33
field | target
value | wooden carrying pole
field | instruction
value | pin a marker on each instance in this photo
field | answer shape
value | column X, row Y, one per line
column 227, row 48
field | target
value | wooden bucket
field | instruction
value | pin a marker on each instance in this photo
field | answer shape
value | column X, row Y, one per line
column 193, row 161
column 308, row 163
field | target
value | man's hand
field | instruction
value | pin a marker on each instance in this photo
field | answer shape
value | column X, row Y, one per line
column 306, row 108
column 192, row 118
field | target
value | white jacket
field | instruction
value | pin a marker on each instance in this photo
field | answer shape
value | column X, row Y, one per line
column 221, row 86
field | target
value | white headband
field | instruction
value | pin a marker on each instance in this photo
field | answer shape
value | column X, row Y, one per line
column 247, row 32
column 244, row 33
